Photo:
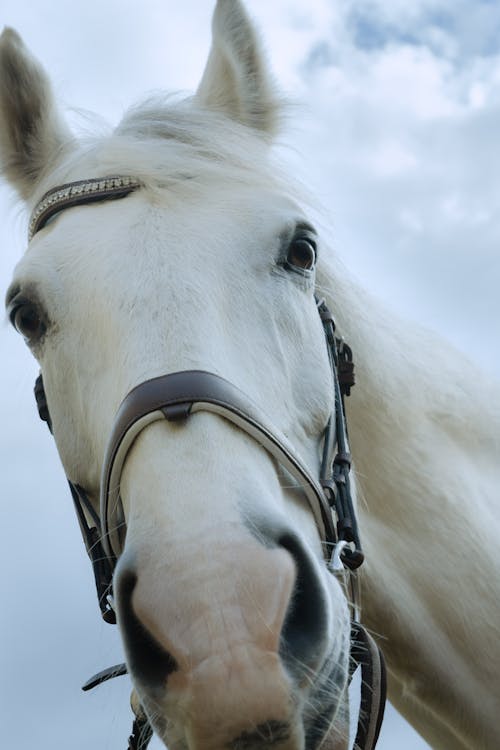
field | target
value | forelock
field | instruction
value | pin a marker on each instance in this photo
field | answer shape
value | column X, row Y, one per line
column 166, row 139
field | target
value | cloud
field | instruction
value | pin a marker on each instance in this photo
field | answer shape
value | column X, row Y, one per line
column 460, row 31
column 404, row 107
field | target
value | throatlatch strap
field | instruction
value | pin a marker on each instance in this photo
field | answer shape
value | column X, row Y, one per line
column 366, row 654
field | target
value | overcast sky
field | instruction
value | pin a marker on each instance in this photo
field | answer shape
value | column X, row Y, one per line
column 396, row 131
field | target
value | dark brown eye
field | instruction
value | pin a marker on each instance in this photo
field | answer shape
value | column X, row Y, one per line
column 26, row 319
column 302, row 253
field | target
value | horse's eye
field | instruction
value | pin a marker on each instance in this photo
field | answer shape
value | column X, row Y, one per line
column 26, row 319
column 302, row 253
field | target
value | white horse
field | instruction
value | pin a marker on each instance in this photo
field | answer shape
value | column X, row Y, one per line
column 236, row 633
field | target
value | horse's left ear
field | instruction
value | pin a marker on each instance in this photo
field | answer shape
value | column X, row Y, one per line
column 32, row 133
column 236, row 80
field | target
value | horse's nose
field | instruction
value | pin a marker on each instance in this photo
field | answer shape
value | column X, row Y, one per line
column 266, row 591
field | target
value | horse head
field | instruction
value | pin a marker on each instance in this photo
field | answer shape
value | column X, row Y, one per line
column 235, row 631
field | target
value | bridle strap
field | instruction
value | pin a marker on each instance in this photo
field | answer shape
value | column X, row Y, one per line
column 89, row 522
column 366, row 654
column 79, row 193
column 334, row 478
column 91, row 533
column 175, row 397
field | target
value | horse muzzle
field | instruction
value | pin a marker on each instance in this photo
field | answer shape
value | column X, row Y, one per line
column 223, row 648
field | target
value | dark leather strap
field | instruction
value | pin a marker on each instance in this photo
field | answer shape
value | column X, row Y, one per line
column 77, row 194
column 142, row 733
column 335, row 478
column 104, row 675
column 174, row 397
column 91, row 533
column 366, row 654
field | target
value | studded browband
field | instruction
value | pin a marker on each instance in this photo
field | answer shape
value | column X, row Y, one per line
column 79, row 193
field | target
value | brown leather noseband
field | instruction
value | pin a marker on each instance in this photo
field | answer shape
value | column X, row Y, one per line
column 175, row 397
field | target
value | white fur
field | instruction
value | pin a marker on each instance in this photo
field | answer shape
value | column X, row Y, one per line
column 184, row 274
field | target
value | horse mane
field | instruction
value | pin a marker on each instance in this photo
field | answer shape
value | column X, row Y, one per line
column 410, row 361
column 418, row 394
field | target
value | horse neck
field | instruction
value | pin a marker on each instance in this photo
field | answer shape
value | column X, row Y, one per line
column 424, row 428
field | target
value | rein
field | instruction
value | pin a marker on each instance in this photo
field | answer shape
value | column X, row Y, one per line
column 176, row 397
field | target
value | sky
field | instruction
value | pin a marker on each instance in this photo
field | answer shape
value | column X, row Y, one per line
column 394, row 127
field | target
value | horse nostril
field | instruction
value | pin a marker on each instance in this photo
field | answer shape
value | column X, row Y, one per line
column 147, row 659
column 305, row 631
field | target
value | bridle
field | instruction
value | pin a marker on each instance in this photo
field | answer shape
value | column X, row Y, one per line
column 176, row 397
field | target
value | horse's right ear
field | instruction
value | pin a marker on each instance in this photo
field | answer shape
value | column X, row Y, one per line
column 31, row 132
column 236, row 81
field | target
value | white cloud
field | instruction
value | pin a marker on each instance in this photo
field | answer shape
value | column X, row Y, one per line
column 406, row 127
column 410, row 79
